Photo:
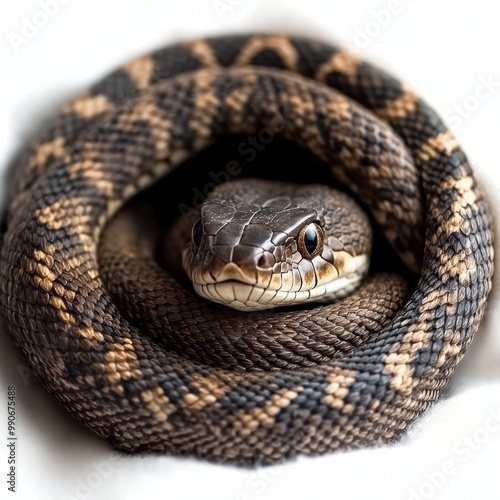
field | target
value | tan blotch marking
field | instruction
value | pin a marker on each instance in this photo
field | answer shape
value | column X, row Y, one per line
column 204, row 53
column 340, row 109
column 44, row 256
column 88, row 106
column 140, row 70
column 303, row 118
column 384, row 173
column 400, row 107
column 280, row 44
column 467, row 197
column 91, row 334
column 64, row 293
column 58, row 303
column 462, row 263
column 247, row 422
column 40, row 269
column 67, row 317
column 147, row 110
column 72, row 212
column 121, row 363
column 343, row 61
column 444, row 142
column 437, row 298
column 339, row 381
column 398, row 361
column 45, row 274
column 93, row 172
column 157, row 403
column 55, row 148
column 206, row 105
column 450, row 349
column 462, row 184
column 235, row 102
column 303, row 106
column 209, row 390
column 350, row 155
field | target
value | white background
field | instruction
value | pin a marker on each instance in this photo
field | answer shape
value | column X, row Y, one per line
column 444, row 50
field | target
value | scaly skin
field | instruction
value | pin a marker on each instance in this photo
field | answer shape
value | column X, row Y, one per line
column 140, row 393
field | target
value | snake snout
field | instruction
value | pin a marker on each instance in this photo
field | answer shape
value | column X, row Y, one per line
column 245, row 263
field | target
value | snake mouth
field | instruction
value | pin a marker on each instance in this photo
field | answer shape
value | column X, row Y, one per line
column 251, row 297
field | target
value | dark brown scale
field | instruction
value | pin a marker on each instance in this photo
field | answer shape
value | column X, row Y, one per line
column 329, row 384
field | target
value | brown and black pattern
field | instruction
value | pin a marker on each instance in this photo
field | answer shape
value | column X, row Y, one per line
column 325, row 385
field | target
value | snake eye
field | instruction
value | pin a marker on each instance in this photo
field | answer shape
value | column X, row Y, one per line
column 310, row 240
column 197, row 233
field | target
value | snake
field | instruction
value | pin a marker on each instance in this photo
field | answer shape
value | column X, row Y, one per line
column 98, row 284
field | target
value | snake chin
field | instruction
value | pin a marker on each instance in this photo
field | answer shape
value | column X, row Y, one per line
column 247, row 297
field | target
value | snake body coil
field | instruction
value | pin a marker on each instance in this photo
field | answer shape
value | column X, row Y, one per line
column 294, row 381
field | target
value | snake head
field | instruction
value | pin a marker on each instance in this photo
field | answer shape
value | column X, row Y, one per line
column 256, row 245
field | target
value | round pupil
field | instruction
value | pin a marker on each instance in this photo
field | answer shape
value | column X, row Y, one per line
column 311, row 239
column 197, row 232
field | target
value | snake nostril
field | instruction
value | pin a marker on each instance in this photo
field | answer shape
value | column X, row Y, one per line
column 265, row 261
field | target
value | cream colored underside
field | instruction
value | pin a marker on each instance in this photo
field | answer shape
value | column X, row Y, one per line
column 246, row 297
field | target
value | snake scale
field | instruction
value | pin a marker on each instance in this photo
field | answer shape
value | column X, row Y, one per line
column 139, row 359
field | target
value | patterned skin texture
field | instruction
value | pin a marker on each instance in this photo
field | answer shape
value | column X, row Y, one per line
column 152, row 373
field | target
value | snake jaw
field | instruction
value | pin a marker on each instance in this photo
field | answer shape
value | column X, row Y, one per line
column 245, row 296
column 328, row 277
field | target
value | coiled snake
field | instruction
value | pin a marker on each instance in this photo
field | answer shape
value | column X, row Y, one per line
column 132, row 353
